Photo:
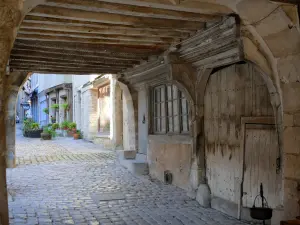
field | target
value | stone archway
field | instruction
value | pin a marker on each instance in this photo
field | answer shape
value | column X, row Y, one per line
column 274, row 32
column 129, row 126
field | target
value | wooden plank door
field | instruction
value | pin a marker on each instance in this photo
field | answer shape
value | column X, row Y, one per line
column 261, row 153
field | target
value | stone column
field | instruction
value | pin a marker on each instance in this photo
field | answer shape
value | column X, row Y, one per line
column 291, row 149
column 10, row 17
column 90, row 108
column 112, row 99
column 11, row 129
column 70, row 102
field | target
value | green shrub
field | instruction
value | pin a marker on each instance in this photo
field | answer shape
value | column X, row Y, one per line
column 65, row 106
column 65, row 125
column 27, row 124
column 55, row 126
column 55, row 106
column 46, row 110
column 48, row 130
column 34, row 126
column 72, row 126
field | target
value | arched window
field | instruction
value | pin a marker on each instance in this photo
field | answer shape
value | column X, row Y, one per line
column 170, row 110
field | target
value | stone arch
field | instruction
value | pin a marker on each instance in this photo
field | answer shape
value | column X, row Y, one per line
column 129, row 142
column 16, row 82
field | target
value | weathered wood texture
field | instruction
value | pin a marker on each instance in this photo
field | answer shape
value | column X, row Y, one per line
column 68, row 27
column 216, row 46
column 231, row 93
column 261, row 152
column 213, row 47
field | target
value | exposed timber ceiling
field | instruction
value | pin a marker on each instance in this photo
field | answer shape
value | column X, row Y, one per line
column 109, row 36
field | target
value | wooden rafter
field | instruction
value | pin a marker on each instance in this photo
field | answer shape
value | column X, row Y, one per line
column 101, row 6
column 104, row 36
column 110, row 18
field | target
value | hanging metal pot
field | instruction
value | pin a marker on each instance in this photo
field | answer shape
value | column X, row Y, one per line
column 263, row 212
column 260, row 213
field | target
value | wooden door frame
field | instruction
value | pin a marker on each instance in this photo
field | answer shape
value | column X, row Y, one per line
column 270, row 120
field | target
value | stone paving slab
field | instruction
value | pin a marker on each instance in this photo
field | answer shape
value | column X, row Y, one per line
column 59, row 191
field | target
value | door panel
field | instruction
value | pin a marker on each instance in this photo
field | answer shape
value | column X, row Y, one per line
column 261, row 153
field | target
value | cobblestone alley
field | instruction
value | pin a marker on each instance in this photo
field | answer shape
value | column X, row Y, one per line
column 74, row 182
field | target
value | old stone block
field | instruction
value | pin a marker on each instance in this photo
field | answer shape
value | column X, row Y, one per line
column 289, row 42
column 290, row 93
column 291, row 140
column 204, row 196
column 296, row 119
column 291, row 208
column 289, row 68
column 291, row 189
column 288, row 120
column 292, row 166
column 129, row 154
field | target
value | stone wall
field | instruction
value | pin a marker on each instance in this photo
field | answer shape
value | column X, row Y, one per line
column 89, row 111
column 173, row 154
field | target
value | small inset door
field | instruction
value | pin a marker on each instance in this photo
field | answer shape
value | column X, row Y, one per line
column 261, row 155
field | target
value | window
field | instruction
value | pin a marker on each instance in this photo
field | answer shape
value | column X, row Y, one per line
column 170, row 111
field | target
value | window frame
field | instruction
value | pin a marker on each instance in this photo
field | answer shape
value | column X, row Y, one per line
column 167, row 117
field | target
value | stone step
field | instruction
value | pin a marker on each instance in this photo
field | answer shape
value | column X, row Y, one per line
column 137, row 166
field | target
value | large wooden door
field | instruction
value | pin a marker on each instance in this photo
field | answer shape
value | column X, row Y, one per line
column 231, row 93
column 261, row 153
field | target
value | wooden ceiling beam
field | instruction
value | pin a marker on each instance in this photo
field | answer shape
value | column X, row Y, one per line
column 64, row 63
column 96, row 36
column 70, row 59
column 80, row 23
column 138, row 51
column 53, row 65
column 199, row 6
column 38, row 37
column 82, row 71
column 134, row 10
column 44, row 51
column 109, row 30
column 109, row 18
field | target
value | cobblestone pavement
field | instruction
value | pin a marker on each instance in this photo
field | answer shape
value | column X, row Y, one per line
column 74, row 182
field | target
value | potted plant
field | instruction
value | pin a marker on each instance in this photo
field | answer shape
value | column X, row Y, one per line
column 77, row 135
column 48, row 133
column 66, row 108
column 46, row 110
column 65, row 127
column 55, row 126
column 31, row 129
column 55, row 106
column 72, row 127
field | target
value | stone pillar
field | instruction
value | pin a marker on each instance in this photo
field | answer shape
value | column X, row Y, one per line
column 129, row 124
column 291, row 149
column 77, row 110
column 118, row 116
column 70, row 102
column 112, row 99
column 90, row 108
column 10, row 17
column 11, row 129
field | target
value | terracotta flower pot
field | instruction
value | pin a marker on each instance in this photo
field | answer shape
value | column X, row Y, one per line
column 76, row 136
